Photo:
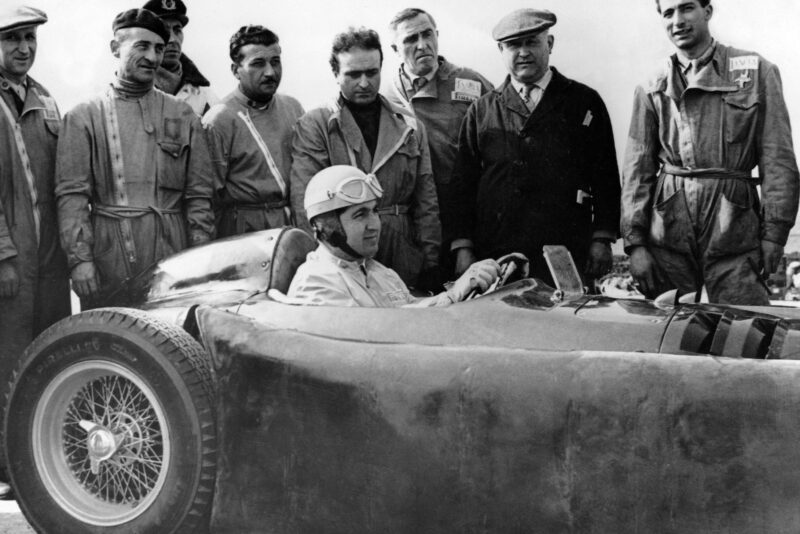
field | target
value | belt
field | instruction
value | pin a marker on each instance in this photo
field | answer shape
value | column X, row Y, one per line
column 711, row 172
column 122, row 213
column 396, row 209
column 131, row 212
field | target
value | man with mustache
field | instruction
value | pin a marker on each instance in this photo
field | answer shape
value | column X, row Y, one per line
column 438, row 93
column 34, row 280
column 691, row 213
column 178, row 74
column 250, row 136
column 536, row 163
column 342, row 206
column 133, row 178
column 362, row 129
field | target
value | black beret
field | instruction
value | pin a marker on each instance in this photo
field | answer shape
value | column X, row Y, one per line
column 522, row 22
column 13, row 17
column 141, row 18
column 165, row 9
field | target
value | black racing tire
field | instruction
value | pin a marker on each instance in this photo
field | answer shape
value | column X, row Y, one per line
column 110, row 427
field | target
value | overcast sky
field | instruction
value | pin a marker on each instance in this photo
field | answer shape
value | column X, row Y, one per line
column 610, row 45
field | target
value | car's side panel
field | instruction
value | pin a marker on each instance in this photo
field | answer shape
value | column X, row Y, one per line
column 324, row 435
column 521, row 316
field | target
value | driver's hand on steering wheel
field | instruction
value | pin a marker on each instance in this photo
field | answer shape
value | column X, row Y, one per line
column 479, row 275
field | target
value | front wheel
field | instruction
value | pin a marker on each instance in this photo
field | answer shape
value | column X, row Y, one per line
column 110, row 427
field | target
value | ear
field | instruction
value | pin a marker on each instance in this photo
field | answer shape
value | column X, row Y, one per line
column 500, row 46
column 550, row 41
column 709, row 9
column 235, row 70
column 114, row 45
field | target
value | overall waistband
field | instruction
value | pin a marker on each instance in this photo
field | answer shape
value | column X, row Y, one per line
column 711, row 172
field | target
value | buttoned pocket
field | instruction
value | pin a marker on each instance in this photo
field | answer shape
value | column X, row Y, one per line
column 172, row 173
column 741, row 112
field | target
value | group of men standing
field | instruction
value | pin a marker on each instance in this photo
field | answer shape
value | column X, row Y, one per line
column 466, row 171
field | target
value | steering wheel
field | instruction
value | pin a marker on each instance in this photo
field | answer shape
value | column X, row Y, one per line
column 510, row 264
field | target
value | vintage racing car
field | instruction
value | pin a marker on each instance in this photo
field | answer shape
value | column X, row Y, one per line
column 218, row 405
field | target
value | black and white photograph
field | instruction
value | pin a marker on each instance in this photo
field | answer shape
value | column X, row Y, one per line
column 361, row 267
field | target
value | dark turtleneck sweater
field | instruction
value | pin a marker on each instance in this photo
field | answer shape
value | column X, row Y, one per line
column 368, row 117
column 130, row 90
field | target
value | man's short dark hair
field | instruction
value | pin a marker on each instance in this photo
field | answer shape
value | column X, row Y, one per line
column 354, row 38
column 251, row 34
column 408, row 14
column 703, row 3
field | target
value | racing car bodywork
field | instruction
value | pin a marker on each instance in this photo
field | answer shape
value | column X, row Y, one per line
column 529, row 409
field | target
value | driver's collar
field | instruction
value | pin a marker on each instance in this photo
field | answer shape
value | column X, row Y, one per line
column 325, row 250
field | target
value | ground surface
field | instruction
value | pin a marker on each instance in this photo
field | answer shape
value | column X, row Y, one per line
column 11, row 519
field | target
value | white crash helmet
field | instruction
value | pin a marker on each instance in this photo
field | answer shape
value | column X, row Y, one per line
column 338, row 187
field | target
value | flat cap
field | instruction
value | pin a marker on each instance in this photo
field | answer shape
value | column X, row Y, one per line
column 141, row 18
column 522, row 22
column 13, row 17
column 166, row 9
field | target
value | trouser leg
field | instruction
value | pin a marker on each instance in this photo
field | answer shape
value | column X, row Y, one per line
column 680, row 270
column 735, row 280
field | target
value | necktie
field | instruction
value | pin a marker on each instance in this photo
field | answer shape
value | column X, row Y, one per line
column 525, row 93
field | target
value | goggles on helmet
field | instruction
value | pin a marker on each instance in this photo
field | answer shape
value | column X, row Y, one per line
column 355, row 190
column 337, row 187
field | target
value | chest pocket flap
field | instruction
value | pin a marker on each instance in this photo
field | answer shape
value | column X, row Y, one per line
column 741, row 111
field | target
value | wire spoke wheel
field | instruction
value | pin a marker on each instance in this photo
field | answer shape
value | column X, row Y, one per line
column 103, row 444
column 110, row 427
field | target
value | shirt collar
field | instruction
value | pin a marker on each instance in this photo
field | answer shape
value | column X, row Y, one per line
column 541, row 83
column 408, row 80
column 686, row 63
column 21, row 89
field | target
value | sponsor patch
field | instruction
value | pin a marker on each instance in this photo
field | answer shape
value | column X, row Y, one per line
column 466, row 90
column 743, row 63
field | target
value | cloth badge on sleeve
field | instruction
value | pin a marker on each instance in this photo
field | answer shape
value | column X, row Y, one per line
column 466, row 90
column 743, row 63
